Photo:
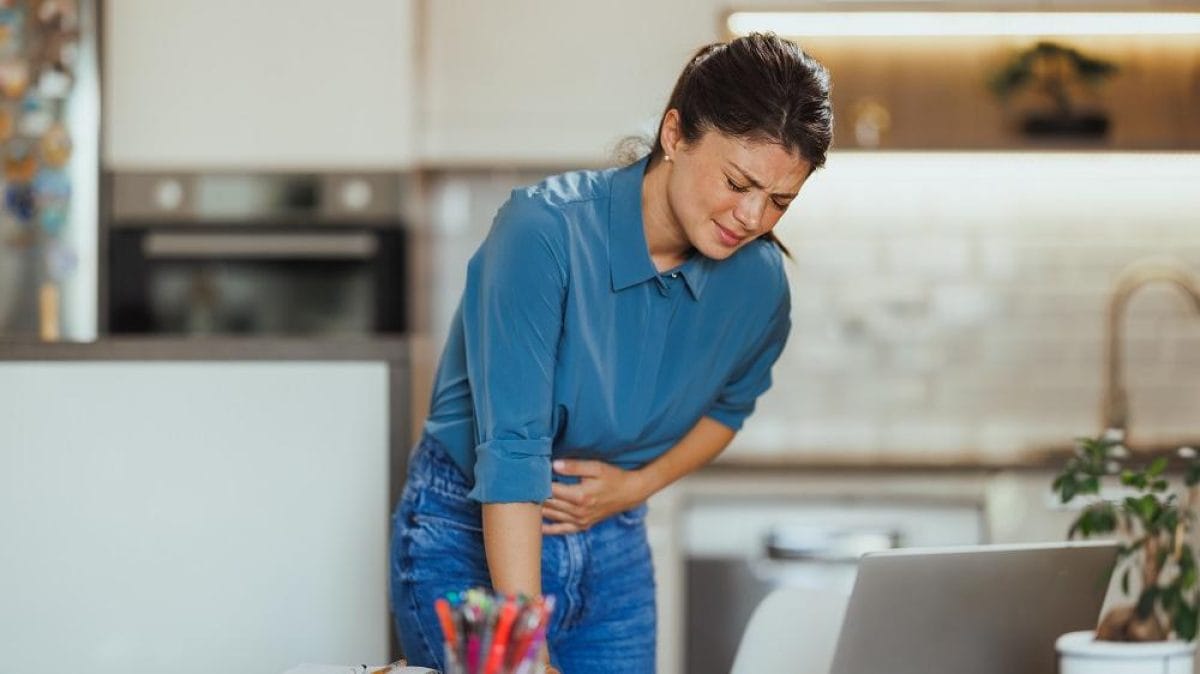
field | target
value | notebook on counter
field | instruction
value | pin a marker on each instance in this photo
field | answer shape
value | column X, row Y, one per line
column 358, row 669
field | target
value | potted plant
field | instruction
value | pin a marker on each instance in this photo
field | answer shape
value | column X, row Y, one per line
column 1057, row 73
column 1156, row 630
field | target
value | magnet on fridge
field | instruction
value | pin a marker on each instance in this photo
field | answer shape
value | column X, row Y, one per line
column 36, row 117
column 20, row 162
column 56, row 146
column 53, row 218
column 8, row 122
column 14, row 78
column 18, row 199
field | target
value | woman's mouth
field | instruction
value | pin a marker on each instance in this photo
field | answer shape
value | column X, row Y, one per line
column 727, row 237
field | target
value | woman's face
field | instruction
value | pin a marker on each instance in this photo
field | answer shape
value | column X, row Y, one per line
column 725, row 191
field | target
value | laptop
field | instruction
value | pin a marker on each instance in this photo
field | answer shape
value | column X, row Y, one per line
column 990, row 609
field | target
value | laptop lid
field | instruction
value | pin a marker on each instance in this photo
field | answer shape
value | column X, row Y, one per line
column 991, row 609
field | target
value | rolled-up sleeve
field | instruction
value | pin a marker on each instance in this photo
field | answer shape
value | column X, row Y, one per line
column 512, row 317
column 736, row 400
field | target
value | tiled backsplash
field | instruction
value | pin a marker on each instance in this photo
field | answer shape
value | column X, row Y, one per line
column 947, row 304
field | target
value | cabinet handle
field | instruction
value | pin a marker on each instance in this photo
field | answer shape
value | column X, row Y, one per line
column 304, row 246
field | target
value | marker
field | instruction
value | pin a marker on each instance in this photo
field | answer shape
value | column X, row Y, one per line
column 508, row 613
column 443, row 611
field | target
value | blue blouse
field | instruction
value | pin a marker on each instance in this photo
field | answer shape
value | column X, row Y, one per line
column 568, row 343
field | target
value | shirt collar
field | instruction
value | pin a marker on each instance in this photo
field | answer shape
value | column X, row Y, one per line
column 628, row 255
column 695, row 273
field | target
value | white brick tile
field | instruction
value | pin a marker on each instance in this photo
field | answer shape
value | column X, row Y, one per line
column 929, row 257
column 960, row 304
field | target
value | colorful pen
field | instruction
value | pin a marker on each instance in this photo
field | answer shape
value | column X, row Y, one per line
column 508, row 613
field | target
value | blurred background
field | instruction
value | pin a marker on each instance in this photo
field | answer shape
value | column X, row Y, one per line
column 994, row 252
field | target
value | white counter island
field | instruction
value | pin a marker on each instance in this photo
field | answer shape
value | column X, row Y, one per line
column 176, row 508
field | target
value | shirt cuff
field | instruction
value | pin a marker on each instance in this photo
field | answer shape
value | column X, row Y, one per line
column 512, row 471
column 729, row 417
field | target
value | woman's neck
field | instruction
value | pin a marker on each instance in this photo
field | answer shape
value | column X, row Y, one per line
column 668, row 244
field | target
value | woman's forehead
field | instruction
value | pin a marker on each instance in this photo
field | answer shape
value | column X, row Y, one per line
column 768, row 163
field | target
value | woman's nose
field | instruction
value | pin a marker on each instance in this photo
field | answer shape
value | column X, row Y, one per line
column 749, row 212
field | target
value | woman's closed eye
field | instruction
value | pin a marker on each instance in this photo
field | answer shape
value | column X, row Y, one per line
column 742, row 189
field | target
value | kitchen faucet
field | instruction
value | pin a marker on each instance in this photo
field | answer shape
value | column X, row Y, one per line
column 1129, row 281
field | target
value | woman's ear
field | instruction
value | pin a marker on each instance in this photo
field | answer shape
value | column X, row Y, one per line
column 672, row 134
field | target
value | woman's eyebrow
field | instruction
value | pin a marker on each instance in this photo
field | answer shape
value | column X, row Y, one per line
column 749, row 178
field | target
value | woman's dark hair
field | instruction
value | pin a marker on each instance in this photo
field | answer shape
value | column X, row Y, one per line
column 758, row 87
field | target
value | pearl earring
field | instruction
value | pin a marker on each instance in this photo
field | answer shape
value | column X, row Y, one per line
column 667, row 157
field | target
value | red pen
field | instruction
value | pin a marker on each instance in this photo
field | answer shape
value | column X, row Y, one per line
column 443, row 610
column 523, row 631
column 500, row 639
column 539, row 623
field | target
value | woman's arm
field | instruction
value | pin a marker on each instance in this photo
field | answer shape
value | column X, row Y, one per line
column 605, row 490
column 512, row 540
column 699, row 446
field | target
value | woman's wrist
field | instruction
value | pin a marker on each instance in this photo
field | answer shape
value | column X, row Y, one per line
column 646, row 482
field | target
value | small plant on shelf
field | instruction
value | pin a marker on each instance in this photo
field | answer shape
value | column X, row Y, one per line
column 1058, row 74
column 1154, row 520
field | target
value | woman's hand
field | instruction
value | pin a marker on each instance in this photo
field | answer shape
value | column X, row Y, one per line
column 603, row 490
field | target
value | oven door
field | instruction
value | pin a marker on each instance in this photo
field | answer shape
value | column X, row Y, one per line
column 256, row 280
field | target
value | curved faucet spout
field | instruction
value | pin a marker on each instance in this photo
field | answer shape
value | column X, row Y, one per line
column 1134, row 277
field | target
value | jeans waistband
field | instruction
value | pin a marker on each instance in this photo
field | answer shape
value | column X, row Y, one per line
column 431, row 467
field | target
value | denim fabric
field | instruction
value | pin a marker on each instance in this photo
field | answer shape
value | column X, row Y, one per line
column 602, row 579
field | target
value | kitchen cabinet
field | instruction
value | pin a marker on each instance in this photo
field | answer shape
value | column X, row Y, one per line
column 550, row 83
column 275, row 84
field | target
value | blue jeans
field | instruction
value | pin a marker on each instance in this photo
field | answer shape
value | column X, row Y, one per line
column 602, row 578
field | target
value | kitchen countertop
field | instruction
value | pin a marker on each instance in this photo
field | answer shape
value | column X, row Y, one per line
column 211, row 348
column 396, row 350
column 1049, row 458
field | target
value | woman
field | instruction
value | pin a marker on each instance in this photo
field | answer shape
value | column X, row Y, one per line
column 614, row 333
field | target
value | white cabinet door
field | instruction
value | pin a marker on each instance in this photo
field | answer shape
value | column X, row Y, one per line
column 531, row 81
column 266, row 84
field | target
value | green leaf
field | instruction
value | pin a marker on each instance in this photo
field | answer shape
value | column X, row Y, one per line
column 1192, row 475
column 1104, row 518
column 1157, row 467
column 1187, row 568
column 1145, row 602
column 1185, row 621
column 1068, row 491
column 1170, row 598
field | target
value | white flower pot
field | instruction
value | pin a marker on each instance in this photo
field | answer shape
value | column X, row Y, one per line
column 1080, row 653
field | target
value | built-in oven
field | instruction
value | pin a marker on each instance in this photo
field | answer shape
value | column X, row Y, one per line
column 254, row 254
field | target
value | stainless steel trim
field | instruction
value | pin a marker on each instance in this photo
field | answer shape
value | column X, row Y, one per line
column 161, row 198
column 837, row 546
column 348, row 246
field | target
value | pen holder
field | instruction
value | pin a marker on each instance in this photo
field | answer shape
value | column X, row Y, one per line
column 488, row 633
